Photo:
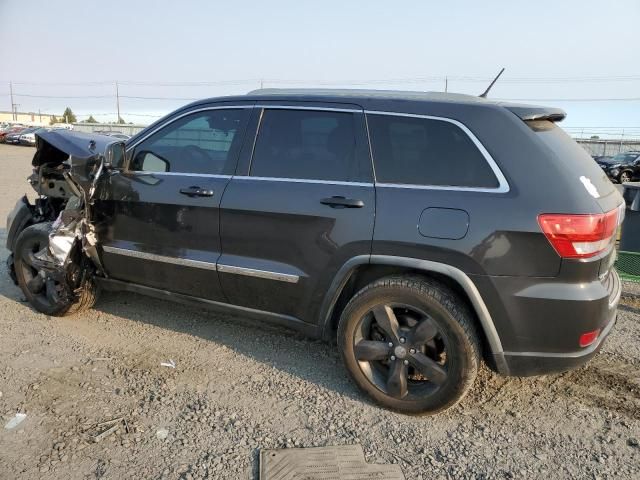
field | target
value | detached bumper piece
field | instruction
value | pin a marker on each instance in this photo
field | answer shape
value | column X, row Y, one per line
column 345, row 462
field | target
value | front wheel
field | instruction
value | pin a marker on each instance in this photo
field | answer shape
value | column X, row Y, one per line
column 47, row 295
column 625, row 177
column 410, row 343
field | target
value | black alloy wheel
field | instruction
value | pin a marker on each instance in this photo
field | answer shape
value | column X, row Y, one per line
column 410, row 343
column 401, row 350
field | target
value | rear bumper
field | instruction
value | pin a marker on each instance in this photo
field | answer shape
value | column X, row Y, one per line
column 524, row 364
column 542, row 321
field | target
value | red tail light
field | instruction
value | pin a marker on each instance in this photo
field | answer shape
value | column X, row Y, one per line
column 579, row 236
column 588, row 338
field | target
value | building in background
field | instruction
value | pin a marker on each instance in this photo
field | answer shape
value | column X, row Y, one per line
column 29, row 118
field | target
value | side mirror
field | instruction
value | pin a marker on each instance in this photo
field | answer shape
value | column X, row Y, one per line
column 114, row 155
column 147, row 161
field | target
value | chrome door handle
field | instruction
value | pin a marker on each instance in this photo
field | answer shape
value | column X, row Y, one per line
column 342, row 202
column 196, row 192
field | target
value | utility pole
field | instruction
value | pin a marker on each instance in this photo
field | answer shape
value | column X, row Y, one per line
column 117, row 102
column 446, row 84
column 261, row 84
column 13, row 115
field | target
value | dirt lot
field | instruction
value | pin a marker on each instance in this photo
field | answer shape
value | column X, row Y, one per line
column 239, row 387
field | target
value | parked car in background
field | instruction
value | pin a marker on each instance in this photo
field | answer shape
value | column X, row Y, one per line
column 10, row 131
column 66, row 126
column 14, row 138
column 601, row 158
column 623, row 167
column 110, row 133
column 28, row 136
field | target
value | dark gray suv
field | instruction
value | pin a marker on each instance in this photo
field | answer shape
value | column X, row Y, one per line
column 424, row 231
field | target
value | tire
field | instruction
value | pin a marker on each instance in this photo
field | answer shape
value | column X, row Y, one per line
column 624, row 177
column 452, row 350
column 33, row 239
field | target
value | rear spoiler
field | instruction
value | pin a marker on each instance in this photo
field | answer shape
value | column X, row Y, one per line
column 533, row 112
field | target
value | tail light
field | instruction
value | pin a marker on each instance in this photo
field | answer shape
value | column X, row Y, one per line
column 579, row 236
column 588, row 338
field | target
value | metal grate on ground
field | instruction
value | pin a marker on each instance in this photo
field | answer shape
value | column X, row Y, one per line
column 345, row 462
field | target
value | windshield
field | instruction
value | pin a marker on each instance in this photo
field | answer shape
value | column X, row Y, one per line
column 623, row 158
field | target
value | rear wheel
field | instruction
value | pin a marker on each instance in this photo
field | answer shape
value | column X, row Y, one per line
column 49, row 296
column 410, row 343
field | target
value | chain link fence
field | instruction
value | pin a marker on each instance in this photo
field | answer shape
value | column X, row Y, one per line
column 597, row 147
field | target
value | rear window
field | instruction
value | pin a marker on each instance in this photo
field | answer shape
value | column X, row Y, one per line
column 306, row 144
column 421, row 151
column 571, row 154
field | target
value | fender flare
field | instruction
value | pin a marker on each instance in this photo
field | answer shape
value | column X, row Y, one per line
column 453, row 273
column 23, row 216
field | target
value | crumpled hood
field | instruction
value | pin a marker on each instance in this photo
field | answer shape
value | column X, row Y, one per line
column 56, row 146
column 81, row 152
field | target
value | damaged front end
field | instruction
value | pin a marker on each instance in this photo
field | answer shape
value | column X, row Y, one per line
column 67, row 172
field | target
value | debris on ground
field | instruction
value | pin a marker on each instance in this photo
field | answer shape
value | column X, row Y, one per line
column 170, row 364
column 15, row 421
column 162, row 434
column 114, row 425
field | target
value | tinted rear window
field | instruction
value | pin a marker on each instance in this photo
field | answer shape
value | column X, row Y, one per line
column 571, row 154
column 306, row 144
column 420, row 151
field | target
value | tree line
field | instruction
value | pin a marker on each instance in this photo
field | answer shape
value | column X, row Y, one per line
column 69, row 117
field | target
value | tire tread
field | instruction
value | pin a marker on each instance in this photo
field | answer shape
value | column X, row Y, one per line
column 457, row 307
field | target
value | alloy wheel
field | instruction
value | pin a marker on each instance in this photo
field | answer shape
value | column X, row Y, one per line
column 401, row 350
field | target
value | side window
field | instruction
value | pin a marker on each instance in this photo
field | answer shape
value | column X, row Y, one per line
column 306, row 144
column 421, row 151
column 204, row 142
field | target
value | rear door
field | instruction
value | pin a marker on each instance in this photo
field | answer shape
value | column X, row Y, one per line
column 163, row 209
column 302, row 203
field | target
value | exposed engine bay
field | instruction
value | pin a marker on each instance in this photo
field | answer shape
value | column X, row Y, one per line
column 67, row 169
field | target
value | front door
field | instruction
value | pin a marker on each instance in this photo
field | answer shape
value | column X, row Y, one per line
column 163, row 209
column 303, row 205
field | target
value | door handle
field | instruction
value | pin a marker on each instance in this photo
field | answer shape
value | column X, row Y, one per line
column 196, row 192
column 342, row 202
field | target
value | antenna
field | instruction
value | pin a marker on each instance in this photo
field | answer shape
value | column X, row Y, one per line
column 484, row 95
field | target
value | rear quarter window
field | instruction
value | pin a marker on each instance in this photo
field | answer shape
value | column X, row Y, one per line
column 430, row 152
column 572, row 155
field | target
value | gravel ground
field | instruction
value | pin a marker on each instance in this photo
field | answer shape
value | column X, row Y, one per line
column 238, row 387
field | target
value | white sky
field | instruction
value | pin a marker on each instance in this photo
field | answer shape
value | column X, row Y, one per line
column 552, row 51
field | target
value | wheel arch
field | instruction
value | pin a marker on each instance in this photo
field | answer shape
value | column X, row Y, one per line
column 363, row 269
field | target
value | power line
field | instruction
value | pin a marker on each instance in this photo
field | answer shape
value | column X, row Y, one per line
column 61, row 96
column 136, row 97
column 420, row 79
column 628, row 99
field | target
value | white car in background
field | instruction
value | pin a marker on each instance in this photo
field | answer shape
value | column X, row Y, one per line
column 66, row 126
column 28, row 138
